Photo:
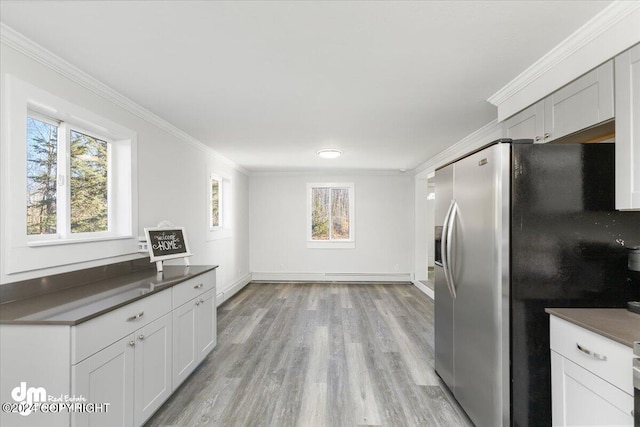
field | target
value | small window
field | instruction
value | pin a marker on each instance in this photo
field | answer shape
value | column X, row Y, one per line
column 215, row 217
column 330, row 215
column 67, row 180
column 219, row 206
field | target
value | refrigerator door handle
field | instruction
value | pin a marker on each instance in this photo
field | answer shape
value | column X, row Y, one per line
column 444, row 247
column 450, row 225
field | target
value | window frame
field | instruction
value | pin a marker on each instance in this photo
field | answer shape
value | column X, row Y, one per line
column 24, row 253
column 221, row 205
column 225, row 205
column 64, row 234
column 331, row 243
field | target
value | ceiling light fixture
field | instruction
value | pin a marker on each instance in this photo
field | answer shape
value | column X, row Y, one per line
column 329, row 153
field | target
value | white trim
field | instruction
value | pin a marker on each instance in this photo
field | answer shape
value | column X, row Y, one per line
column 486, row 134
column 425, row 289
column 332, row 277
column 331, row 172
column 22, row 44
column 223, row 295
column 610, row 32
column 331, row 244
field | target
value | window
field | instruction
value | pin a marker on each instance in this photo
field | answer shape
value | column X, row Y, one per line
column 330, row 215
column 219, row 206
column 69, row 186
column 67, row 180
column 215, row 217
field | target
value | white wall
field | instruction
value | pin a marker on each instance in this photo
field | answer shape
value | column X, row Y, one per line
column 383, row 220
column 421, row 250
column 172, row 175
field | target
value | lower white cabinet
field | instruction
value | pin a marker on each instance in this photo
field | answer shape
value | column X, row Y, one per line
column 131, row 358
column 106, row 377
column 133, row 375
column 194, row 334
column 586, row 384
column 581, row 398
column 152, row 384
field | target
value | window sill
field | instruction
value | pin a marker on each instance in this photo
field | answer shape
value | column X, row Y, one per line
column 55, row 242
column 219, row 234
column 335, row 244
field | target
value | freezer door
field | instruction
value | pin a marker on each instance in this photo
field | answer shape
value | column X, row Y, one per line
column 480, row 251
column 443, row 309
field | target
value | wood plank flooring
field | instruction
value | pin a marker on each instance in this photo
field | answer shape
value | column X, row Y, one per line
column 321, row 354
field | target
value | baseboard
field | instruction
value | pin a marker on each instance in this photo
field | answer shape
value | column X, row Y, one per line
column 224, row 295
column 424, row 288
column 331, row 277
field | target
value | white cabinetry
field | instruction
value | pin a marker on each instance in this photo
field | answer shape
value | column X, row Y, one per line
column 123, row 358
column 590, row 378
column 583, row 103
column 152, row 384
column 527, row 124
column 194, row 325
column 107, row 377
column 627, row 77
column 133, row 375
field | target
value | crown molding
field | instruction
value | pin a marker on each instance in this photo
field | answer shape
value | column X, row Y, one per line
column 330, row 172
column 487, row 133
column 17, row 41
column 591, row 30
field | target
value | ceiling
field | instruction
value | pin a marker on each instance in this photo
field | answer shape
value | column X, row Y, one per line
column 267, row 84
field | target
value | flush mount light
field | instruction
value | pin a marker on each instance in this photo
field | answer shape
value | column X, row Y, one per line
column 329, row 153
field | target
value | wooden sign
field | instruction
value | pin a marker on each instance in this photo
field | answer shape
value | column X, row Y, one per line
column 167, row 243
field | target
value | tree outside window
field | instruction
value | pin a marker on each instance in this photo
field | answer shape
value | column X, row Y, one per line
column 55, row 152
column 331, row 212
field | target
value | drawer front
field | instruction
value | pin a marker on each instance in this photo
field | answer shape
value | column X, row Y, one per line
column 605, row 358
column 96, row 334
column 192, row 288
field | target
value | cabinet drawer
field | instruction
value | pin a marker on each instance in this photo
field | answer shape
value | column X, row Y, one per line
column 608, row 359
column 191, row 288
column 96, row 334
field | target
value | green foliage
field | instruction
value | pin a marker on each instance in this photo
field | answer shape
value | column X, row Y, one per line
column 88, row 184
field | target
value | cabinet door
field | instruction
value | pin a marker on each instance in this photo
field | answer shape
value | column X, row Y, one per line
column 527, row 124
column 580, row 104
column 628, row 129
column 185, row 357
column 152, row 367
column 580, row 398
column 106, row 377
column 206, row 321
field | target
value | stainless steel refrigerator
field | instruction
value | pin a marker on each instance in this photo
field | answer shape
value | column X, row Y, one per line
column 521, row 227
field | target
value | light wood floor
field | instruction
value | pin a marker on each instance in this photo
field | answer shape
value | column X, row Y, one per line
column 294, row 354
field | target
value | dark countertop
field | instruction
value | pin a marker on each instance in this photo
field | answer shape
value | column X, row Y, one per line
column 618, row 324
column 78, row 304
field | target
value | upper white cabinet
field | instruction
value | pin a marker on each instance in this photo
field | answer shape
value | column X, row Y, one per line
column 527, row 124
column 627, row 76
column 583, row 103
